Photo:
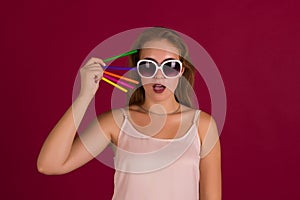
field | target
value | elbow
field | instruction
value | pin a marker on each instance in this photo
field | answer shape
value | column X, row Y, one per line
column 48, row 169
column 44, row 170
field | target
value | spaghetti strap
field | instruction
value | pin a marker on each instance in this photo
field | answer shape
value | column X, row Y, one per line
column 124, row 113
column 196, row 116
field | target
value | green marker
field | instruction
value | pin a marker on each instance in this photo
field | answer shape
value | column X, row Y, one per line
column 121, row 55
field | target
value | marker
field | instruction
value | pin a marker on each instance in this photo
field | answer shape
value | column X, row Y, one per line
column 121, row 55
column 114, row 84
column 121, row 77
column 118, row 81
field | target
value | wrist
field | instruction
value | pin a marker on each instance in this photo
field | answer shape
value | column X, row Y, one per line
column 85, row 97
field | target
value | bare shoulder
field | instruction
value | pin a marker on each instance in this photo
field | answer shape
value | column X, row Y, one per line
column 110, row 117
column 205, row 118
column 110, row 122
column 205, row 121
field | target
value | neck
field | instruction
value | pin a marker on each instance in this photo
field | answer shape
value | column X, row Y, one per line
column 163, row 108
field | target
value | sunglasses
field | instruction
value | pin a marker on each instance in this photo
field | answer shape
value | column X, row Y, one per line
column 169, row 68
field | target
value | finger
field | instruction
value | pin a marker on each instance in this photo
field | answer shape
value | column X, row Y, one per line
column 94, row 67
column 96, row 75
column 95, row 60
column 95, row 71
column 97, row 78
column 101, row 62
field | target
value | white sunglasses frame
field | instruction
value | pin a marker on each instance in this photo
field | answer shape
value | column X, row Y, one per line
column 159, row 67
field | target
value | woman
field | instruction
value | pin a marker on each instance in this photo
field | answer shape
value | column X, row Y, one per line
column 162, row 145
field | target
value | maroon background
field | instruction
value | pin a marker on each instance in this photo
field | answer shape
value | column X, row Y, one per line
column 254, row 44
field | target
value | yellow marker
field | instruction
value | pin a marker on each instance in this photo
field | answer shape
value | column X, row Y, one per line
column 114, row 84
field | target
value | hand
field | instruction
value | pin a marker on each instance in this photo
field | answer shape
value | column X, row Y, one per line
column 90, row 76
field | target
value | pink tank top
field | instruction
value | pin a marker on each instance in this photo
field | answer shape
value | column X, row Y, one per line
column 149, row 168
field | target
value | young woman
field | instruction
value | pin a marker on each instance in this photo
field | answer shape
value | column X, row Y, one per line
column 162, row 144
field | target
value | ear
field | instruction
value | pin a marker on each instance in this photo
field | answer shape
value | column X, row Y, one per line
column 182, row 71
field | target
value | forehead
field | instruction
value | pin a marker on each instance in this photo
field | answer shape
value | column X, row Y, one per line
column 159, row 50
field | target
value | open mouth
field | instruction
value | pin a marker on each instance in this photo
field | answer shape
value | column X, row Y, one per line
column 158, row 88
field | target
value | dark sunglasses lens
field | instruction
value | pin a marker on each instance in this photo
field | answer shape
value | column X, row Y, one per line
column 146, row 69
column 172, row 68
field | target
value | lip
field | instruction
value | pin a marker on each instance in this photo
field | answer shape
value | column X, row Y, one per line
column 158, row 88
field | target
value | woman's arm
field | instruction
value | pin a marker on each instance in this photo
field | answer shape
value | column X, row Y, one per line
column 210, row 162
column 61, row 151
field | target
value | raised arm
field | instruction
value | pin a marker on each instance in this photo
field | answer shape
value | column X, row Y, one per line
column 63, row 151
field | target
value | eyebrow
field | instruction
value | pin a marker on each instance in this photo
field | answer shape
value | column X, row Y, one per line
column 162, row 61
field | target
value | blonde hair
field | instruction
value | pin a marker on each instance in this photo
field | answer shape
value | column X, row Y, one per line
column 183, row 90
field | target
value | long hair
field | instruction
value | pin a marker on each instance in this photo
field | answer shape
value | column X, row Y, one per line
column 183, row 90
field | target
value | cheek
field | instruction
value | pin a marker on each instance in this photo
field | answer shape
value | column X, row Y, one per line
column 146, row 81
column 171, row 84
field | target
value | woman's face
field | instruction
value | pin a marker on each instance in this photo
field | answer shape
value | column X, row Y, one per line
column 159, row 87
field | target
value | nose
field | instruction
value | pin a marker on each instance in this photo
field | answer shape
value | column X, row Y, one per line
column 159, row 74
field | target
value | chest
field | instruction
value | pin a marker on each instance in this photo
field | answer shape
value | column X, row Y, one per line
column 162, row 127
column 159, row 126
